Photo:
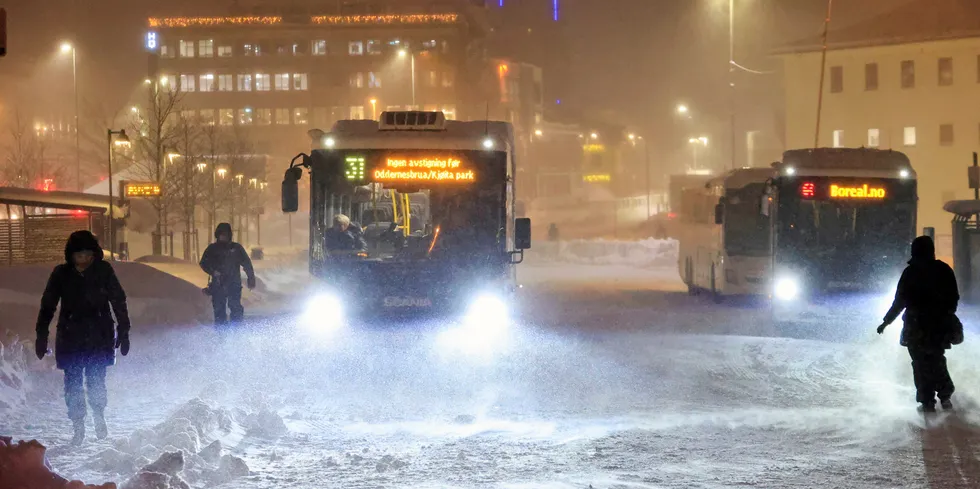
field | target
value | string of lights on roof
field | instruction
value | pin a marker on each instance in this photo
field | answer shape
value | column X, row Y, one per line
column 319, row 19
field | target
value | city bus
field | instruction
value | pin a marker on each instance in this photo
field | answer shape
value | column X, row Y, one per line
column 841, row 222
column 431, row 203
column 723, row 246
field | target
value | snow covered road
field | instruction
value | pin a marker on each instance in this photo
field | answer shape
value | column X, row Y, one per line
column 613, row 378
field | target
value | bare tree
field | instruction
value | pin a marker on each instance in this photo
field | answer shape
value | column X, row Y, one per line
column 214, row 147
column 27, row 162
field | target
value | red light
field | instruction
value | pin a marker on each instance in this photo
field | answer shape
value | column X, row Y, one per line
column 671, row 215
column 808, row 190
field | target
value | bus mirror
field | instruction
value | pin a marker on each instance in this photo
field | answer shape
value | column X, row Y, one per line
column 719, row 213
column 290, row 189
column 522, row 233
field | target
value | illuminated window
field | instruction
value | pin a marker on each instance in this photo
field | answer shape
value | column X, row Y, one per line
column 448, row 79
column 166, row 51
column 945, row 72
column 445, row 47
column 871, row 76
column 299, row 49
column 168, row 82
column 909, row 136
column 320, row 47
column 282, row 81
column 250, row 49
column 186, row 49
column 263, row 82
column 838, row 138
column 225, row 51
column 207, row 116
column 357, row 112
column 301, row 116
column 357, row 80
column 874, row 138
column 263, row 117
column 836, row 79
column 226, row 117
column 908, row 74
column 205, row 48
column 282, row 117
column 187, row 83
column 207, row 82
column 433, row 78
column 430, row 44
column 300, row 81
column 946, row 134
column 374, row 80
column 355, row 48
column 188, row 115
column 374, row 47
column 244, row 83
column 226, row 83
column 245, row 116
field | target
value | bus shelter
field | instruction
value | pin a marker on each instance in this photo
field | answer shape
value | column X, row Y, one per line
column 966, row 246
column 34, row 224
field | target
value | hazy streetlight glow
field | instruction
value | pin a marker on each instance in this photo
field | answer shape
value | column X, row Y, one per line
column 682, row 109
column 66, row 47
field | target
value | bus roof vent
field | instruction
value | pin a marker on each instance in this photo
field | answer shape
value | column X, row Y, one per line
column 413, row 121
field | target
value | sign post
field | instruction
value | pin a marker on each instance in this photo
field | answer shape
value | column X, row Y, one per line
column 973, row 174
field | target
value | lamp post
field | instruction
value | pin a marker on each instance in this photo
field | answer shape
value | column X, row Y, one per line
column 121, row 140
column 374, row 109
column 65, row 48
column 403, row 54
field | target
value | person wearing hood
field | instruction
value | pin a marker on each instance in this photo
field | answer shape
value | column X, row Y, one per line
column 87, row 336
column 223, row 261
column 928, row 294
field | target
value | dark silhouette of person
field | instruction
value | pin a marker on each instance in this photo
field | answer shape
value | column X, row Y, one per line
column 928, row 294
column 344, row 236
column 223, row 261
column 87, row 336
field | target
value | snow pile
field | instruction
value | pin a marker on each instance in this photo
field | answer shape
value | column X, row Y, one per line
column 13, row 373
column 161, row 474
column 647, row 253
column 23, row 465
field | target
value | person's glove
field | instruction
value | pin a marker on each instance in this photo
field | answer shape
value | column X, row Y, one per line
column 41, row 347
column 122, row 343
column 251, row 283
column 881, row 329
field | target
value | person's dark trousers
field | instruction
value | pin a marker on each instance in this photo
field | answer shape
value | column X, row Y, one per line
column 930, row 374
column 93, row 377
column 225, row 299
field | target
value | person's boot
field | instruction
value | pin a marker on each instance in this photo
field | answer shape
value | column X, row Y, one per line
column 79, row 437
column 101, row 430
column 946, row 404
column 927, row 407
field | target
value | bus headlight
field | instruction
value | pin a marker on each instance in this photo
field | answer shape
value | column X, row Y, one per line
column 323, row 313
column 487, row 310
column 786, row 288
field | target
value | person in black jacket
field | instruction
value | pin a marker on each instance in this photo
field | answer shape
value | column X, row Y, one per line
column 344, row 236
column 87, row 337
column 224, row 260
column 928, row 293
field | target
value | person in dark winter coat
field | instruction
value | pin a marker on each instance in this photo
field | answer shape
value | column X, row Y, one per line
column 87, row 337
column 223, row 261
column 344, row 236
column 928, row 294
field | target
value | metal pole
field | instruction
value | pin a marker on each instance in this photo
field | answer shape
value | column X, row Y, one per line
column 976, row 191
column 78, row 153
column 109, row 145
column 823, row 71
column 646, row 159
column 414, row 106
column 731, row 69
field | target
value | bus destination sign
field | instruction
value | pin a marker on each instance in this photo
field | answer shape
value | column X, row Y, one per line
column 423, row 169
column 141, row 189
column 863, row 191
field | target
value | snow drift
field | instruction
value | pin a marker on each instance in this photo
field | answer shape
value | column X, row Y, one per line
column 647, row 253
column 23, row 465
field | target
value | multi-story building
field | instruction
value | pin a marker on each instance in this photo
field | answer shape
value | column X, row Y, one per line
column 908, row 81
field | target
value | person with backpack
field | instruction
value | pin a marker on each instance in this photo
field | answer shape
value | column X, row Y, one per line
column 928, row 294
column 223, row 261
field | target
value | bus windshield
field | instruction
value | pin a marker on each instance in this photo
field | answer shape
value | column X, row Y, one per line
column 746, row 229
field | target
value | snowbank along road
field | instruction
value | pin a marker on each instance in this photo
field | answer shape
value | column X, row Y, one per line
column 610, row 377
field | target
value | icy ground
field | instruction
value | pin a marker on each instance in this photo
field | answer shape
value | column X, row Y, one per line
column 612, row 377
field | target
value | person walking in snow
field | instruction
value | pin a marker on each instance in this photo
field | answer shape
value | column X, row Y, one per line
column 223, row 261
column 928, row 294
column 87, row 336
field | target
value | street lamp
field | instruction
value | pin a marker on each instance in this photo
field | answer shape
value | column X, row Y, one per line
column 374, row 109
column 122, row 140
column 403, row 53
column 594, row 135
column 67, row 47
column 682, row 109
column 222, row 172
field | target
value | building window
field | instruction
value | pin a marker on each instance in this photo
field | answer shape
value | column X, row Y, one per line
column 374, row 80
column 284, row 49
column 357, row 112
column 205, row 48
column 224, row 51
column 245, row 116
column 225, row 83
column 445, row 47
column 188, row 115
column 320, row 47
column 357, row 80
column 946, row 134
column 909, row 136
column 207, row 82
column 945, row 72
column 450, row 112
column 186, row 49
column 433, row 78
column 282, row 81
column 169, row 81
column 871, row 76
column 300, row 81
column 448, row 79
column 207, row 116
column 244, row 83
column 226, row 117
column 301, row 116
column 430, row 44
column 263, row 117
column 374, row 47
column 187, row 83
column 282, row 117
column 299, row 49
column 355, row 48
column 838, row 138
column 836, row 79
column 262, row 82
column 874, row 138
column 250, row 50
column 908, row 74
column 166, row 51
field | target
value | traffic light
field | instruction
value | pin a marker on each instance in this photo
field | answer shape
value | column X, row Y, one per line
column 3, row 32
